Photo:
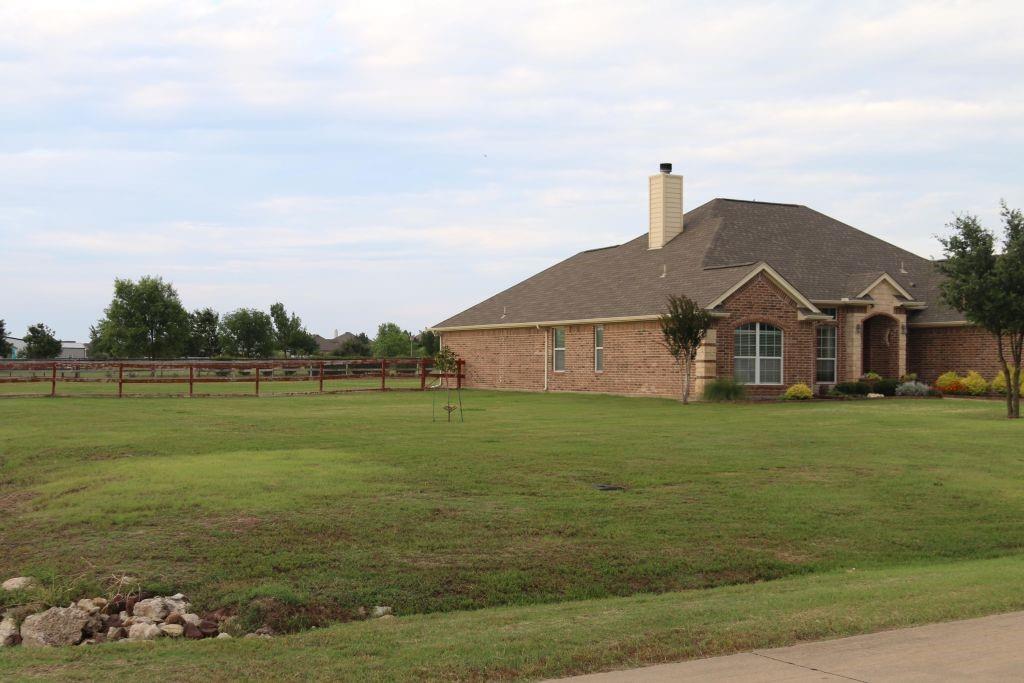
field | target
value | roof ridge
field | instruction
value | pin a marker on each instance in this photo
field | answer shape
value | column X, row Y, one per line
column 755, row 201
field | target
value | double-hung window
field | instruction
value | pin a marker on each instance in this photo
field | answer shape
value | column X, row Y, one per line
column 758, row 354
column 598, row 348
column 558, row 349
column 826, row 361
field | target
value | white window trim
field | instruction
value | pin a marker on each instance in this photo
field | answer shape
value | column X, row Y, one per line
column 834, row 359
column 757, row 357
column 555, row 349
column 598, row 348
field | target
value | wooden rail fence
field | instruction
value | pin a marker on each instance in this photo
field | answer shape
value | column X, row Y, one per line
column 402, row 374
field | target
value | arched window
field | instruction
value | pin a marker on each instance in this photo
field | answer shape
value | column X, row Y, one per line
column 758, row 354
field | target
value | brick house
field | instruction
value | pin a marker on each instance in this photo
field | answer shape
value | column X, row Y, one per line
column 796, row 296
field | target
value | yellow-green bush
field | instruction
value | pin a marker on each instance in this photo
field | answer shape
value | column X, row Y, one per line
column 999, row 382
column 946, row 381
column 798, row 392
column 975, row 384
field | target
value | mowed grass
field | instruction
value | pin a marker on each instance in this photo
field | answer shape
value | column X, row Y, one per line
column 542, row 641
column 314, row 506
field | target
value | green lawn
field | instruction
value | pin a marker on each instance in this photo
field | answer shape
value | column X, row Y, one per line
column 299, row 510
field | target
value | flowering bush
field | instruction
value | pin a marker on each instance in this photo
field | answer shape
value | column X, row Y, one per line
column 955, row 387
column 798, row 392
column 975, row 384
column 946, row 380
column 913, row 388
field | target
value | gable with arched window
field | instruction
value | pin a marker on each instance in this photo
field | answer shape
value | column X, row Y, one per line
column 757, row 349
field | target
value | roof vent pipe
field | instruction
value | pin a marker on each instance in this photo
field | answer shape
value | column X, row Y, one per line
column 666, row 167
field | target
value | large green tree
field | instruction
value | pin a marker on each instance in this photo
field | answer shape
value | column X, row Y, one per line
column 6, row 348
column 683, row 328
column 392, row 342
column 145, row 319
column 247, row 332
column 985, row 282
column 203, row 334
column 291, row 336
column 40, row 342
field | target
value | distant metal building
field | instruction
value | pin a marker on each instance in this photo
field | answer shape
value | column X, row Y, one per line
column 73, row 350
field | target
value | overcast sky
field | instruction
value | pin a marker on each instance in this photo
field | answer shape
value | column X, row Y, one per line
column 362, row 163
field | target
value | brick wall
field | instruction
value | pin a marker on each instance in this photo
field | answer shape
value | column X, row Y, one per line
column 635, row 361
column 932, row 351
column 760, row 300
column 511, row 358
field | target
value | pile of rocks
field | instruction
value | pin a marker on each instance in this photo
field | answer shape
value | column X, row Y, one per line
column 97, row 620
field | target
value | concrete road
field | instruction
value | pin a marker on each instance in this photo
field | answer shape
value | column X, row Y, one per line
column 986, row 649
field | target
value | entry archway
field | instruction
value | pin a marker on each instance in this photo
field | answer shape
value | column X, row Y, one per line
column 881, row 345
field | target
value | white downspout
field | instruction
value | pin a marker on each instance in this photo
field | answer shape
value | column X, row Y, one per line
column 545, row 358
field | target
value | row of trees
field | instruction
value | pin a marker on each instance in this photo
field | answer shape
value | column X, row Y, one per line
column 40, row 342
column 146, row 319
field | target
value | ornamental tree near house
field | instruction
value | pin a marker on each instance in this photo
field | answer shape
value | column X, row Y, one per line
column 988, row 287
column 684, row 326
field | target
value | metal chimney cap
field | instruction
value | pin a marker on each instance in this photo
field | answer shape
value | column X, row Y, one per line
column 666, row 167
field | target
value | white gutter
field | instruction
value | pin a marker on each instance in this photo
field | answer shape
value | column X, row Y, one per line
column 563, row 323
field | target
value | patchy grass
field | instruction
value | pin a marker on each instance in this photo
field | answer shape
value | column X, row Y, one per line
column 542, row 641
column 296, row 511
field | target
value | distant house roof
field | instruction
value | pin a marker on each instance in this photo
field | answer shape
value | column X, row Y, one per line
column 328, row 345
column 722, row 243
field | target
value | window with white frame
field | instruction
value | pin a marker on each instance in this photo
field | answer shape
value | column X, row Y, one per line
column 826, row 362
column 758, row 354
column 598, row 348
column 558, row 349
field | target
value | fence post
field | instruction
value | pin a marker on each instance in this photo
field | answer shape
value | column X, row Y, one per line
column 423, row 374
column 191, row 378
column 120, row 380
column 383, row 374
column 53, row 381
column 321, row 377
column 459, row 365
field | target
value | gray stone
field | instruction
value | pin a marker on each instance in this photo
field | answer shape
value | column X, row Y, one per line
column 115, row 633
column 8, row 632
column 144, row 632
column 152, row 608
column 19, row 583
column 158, row 608
column 172, row 630
column 224, row 636
column 191, row 618
column 380, row 611
column 88, row 606
column 56, row 626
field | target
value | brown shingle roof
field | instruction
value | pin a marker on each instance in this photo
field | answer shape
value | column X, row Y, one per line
column 723, row 241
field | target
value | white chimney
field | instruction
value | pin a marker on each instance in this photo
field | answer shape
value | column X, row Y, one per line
column 666, row 207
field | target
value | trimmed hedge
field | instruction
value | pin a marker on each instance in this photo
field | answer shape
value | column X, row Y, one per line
column 853, row 388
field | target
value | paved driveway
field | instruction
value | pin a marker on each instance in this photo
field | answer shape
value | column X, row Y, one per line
column 986, row 649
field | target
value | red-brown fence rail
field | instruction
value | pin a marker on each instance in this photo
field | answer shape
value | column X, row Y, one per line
column 148, row 378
